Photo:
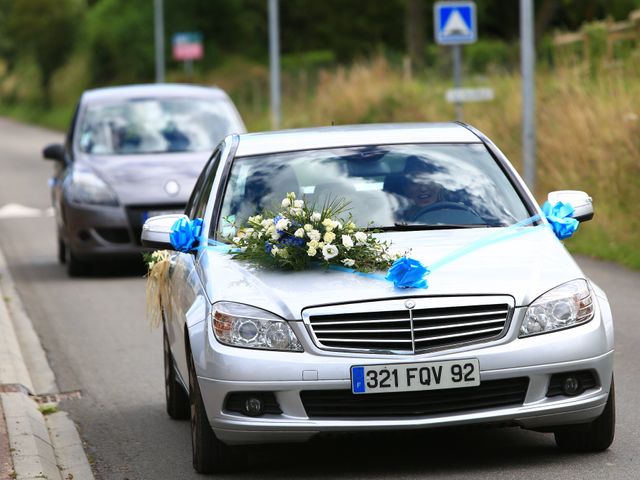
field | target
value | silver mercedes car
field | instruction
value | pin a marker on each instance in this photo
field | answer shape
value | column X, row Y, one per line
column 509, row 332
column 131, row 152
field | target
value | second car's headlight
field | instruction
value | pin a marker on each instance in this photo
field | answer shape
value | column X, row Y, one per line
column 241, row 325
column 565, row 306
column 86, row 187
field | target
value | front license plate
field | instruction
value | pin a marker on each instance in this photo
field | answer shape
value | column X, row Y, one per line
column 407, row 377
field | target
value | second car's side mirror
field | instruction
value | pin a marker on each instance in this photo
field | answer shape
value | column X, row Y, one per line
column 55, row 151
column 156, row 231
column 581, row 202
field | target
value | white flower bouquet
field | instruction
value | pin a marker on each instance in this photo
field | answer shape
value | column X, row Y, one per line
column 298, row 236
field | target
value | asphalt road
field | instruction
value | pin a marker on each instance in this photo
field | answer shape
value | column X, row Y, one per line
column 97, row 341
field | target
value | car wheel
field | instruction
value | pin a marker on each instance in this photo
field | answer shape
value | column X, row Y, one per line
column 210, row 455
column 592, row 437
column 62, row 251
column 176, row 398
column 75, row 266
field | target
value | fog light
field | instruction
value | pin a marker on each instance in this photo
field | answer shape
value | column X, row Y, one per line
column 571, row 386
column 253, row 407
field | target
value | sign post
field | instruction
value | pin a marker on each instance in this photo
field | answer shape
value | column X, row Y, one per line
column 455, row 24
column 527, row 56
column 187, row 47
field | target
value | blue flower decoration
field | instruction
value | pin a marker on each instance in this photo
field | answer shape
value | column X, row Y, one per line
column 407, row 273
column 268, row 247
column 185, row 233
column 559, row 217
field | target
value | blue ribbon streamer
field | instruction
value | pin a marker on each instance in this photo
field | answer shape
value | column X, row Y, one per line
column 409, row 273
column 559, row 217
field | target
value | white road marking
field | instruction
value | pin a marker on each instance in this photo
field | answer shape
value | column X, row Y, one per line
column 15, row 210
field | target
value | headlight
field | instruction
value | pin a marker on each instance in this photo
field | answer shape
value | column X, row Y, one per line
column 240, row 325
column 565, row 306
column 85, row 187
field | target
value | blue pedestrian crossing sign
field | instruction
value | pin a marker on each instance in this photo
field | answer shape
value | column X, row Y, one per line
column 455, row 22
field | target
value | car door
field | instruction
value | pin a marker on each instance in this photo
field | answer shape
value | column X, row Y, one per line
column 187, row 298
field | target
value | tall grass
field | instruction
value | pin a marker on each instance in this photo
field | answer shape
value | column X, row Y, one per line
column 588, row 130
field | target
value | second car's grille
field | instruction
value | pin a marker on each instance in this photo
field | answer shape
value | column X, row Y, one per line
column 408, row 330
column 343, row 403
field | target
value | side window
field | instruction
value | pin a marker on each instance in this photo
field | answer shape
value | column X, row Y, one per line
column 200, row 195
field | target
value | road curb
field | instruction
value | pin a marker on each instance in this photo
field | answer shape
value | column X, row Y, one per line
column 32, row 445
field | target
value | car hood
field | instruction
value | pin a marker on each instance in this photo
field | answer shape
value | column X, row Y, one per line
column 141, row 179
column 524, row 265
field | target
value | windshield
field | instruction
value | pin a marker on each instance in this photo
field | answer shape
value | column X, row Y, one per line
column 156, row 125
column 387, row 186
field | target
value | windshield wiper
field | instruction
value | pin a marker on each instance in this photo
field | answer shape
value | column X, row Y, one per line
column 412, row 227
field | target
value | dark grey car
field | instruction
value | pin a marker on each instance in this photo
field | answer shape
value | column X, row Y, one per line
column 131, row 153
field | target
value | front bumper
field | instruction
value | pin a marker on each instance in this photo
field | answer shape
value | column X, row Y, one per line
column 224, row 370
column 95, row 232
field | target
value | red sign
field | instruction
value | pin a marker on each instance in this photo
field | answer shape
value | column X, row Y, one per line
column 187, row 46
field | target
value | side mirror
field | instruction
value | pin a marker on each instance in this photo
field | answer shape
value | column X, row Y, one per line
column 156, row 231
column 55, row 151
column 581, row 202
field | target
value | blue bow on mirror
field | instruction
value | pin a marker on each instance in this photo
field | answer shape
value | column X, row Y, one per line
column 407, row 273
column 559, row 217
column 185, row 233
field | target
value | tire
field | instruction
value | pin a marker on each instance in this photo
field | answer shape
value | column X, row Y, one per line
column 75, row 266
column 596, row 436
column 176, row 398
column 210, row 455
column 62, row 251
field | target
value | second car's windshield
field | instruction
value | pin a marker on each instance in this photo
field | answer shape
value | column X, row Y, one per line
column 153, row 125
column 386, row 185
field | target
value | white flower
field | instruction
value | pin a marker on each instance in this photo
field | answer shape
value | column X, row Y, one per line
column 346, row 241
column 329, row 251
column 236, row 240
column 299, row 233
column 348, row 262
column 267, row 222
column 315, row 217
column 361, row 238
column 286, row 202
column 314, row 235
column 312, row 244
column 337, row 225
column 312, row 251
column 283, row 252
column 255, row 219
column 328, row 224
column 329, row 237
column 298, row 203
column 308, row 227
column 275, row 235
column 282, row 224
column 350, row 227
column 274, row 251
column 291, row 196
column 295, row 211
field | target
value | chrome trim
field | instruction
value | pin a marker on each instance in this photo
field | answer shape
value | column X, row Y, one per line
column 415, row 320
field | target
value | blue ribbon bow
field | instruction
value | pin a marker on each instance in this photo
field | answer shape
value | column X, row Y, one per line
column 184, row 233
column 559, row 217
column 407, row 273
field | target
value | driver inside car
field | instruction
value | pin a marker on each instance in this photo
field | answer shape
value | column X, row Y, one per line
column 418, row 187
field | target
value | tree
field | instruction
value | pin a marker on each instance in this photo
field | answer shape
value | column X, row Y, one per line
column 415, row 33
column 45, row 30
